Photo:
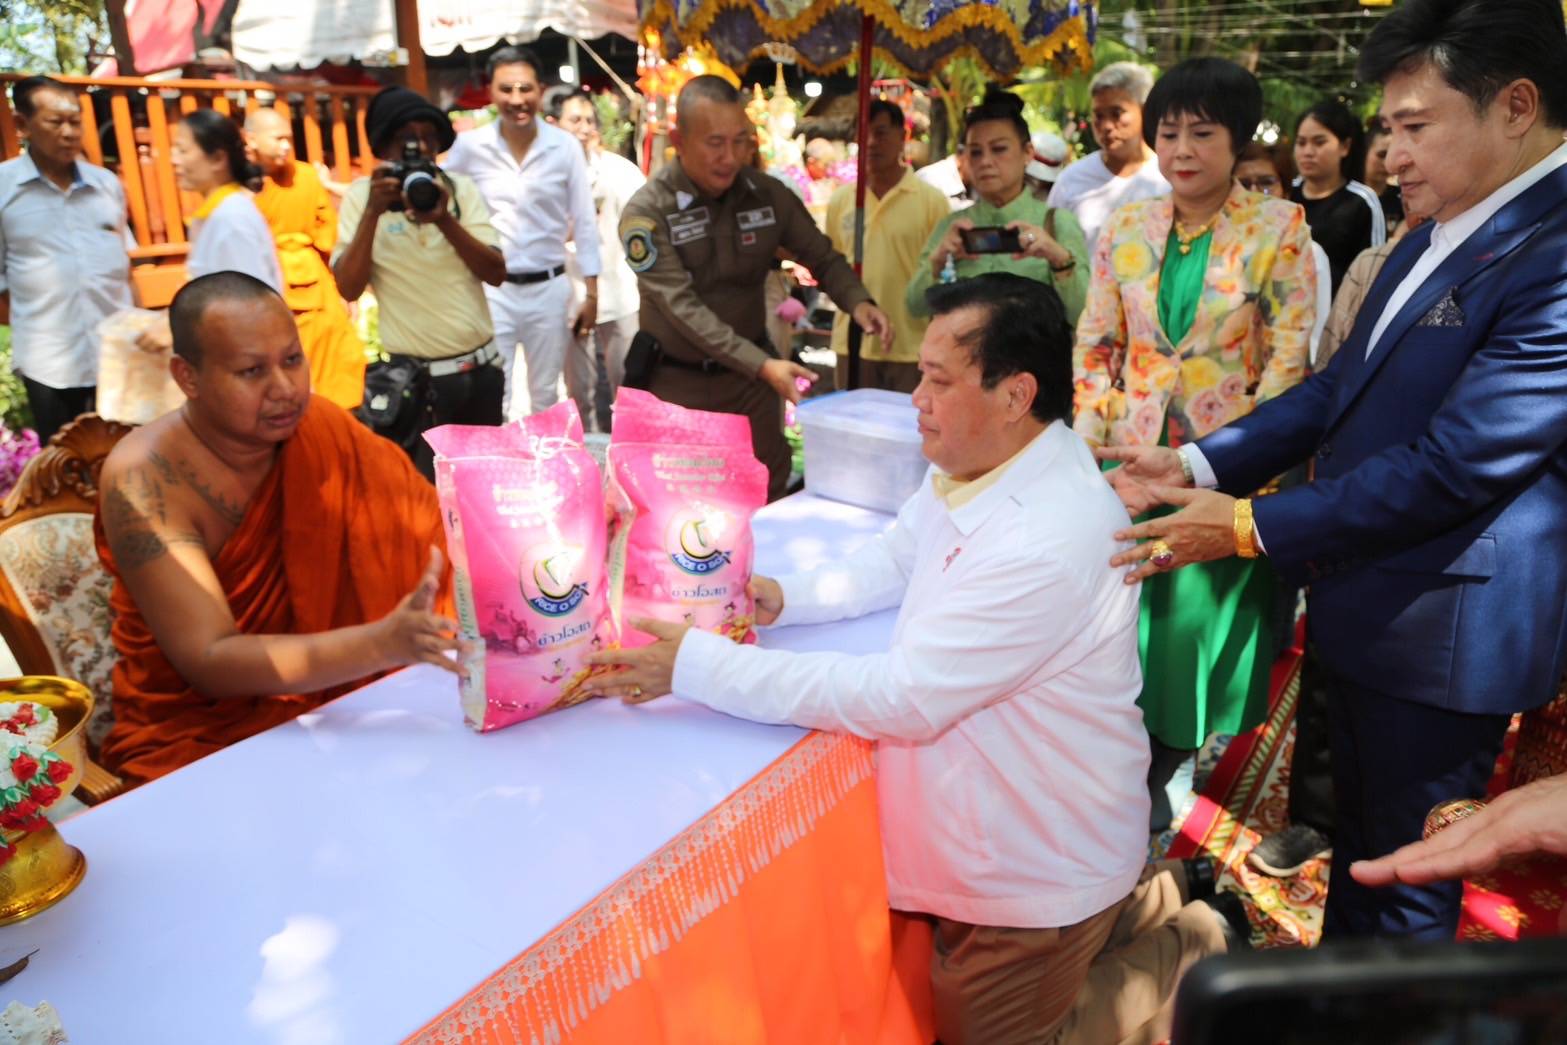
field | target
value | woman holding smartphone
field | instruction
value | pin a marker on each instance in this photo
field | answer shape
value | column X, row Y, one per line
column 1201, row 306
column 1009, row 228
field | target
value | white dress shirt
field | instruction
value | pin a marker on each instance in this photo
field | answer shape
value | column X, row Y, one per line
column 1011, row 755
column 1446, row 237
column 1324, row 296
column 537, row 204
column 614, row 180
column 236, row 238
column 1092, row 193
column 63, row 258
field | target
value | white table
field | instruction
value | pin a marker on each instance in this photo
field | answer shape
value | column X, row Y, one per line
column 346, row 876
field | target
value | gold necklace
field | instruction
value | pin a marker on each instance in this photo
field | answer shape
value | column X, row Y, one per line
column 1188, row 238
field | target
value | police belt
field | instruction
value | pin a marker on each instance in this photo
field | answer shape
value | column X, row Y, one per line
column 712, row 366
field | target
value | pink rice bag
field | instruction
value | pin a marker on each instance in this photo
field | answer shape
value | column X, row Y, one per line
column 524, row 511
column 683, row 485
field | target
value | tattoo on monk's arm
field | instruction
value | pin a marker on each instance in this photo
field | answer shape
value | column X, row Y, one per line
column 131, row 536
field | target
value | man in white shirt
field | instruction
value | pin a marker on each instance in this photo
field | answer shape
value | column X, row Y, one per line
column 1124, row 170
column 535, row 180
column 1011, row 756
column 615, row 180
column 950, row 175
column 1432, row 533
column 63, row 259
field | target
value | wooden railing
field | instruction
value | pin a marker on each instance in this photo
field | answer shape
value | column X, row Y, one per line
column 126, row 123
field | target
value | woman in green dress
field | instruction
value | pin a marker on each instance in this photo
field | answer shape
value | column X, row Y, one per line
column 1200, row 307
column 996, row 141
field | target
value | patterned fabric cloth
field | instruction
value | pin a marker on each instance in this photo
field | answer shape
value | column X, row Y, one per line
column 916, row 35
column 1346, row 303
column 1542, row 742
column 51, row 563
column 1248, row 343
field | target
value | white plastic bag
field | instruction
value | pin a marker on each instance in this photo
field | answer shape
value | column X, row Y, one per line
column 134, row 385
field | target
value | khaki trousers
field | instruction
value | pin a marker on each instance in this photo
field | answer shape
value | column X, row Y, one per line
column 879, row 373
column 729, row 392
column 1108, row 979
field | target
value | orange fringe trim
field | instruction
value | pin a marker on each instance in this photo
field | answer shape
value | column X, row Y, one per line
column 548, row 990
column 1067, row 40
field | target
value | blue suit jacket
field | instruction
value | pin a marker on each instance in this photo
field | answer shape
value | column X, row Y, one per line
column 1435, row 534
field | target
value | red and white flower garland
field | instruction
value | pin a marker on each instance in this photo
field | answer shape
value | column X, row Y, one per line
column 30, row 774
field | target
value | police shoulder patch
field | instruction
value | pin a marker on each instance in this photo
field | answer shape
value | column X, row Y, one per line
column 636, row 235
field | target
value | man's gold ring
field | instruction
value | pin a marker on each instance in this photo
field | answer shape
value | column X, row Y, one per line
column 636, row 691
column 1160, row 555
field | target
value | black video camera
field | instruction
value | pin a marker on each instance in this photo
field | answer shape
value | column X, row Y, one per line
column 417, row 174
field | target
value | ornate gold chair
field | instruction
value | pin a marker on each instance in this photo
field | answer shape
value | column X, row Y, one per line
column 54, row 593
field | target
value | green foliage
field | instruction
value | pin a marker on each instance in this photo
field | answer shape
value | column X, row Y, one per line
column 52, row 36
column 14, row 411
column 368, row 322
column 614, row 128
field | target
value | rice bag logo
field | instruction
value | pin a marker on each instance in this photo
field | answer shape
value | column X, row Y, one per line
column 550, row 585
column 695, row 540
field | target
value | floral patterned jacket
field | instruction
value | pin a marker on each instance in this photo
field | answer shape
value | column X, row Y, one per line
column 1249, row 342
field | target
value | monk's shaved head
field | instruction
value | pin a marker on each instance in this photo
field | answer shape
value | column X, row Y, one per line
column 267, row 120
column 190, row 306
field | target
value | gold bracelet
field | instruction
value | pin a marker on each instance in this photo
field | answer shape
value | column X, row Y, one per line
column 1245, row 530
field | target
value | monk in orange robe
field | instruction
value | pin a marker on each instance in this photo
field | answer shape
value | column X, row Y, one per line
column 269, row 552
column 304, row 225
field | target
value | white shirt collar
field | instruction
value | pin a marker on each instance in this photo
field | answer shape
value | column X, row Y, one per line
column 30, row 172
column 1454, row 231
column 548, row 137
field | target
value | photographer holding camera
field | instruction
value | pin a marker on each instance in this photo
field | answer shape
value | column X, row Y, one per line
column 421, row 238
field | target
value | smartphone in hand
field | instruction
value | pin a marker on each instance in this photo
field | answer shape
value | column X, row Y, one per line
column 991, row 239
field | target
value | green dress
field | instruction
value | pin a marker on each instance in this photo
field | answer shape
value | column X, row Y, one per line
column 1028, row 206
column 1206, row 630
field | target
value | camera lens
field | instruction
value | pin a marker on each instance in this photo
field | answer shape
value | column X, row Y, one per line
column 421, row 190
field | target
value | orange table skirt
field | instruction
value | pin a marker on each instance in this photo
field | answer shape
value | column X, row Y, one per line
column 765, row 921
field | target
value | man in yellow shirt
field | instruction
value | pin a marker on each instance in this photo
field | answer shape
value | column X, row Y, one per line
column 427, row 268
column 900, row 213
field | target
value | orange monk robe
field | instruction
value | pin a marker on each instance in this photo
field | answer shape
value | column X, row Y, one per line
column 305, row 227
column 338, row 533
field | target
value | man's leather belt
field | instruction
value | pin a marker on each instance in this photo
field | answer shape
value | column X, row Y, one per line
column 484, row 355
column 535, row 277
column 706, row 366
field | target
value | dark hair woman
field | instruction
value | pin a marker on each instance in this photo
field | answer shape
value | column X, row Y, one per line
column 1378, row 138
column 227, row 231
column 1201, row 306
column 1344, row 214
column 1051, row 245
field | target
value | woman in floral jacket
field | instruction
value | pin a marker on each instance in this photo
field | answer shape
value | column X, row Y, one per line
column 1201, row 306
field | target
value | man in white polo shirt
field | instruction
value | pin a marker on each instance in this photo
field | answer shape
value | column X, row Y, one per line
column 63, row 256
column 535, row 179
column 1011, row 756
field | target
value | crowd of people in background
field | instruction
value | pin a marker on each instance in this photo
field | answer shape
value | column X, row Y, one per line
column 1210, row 314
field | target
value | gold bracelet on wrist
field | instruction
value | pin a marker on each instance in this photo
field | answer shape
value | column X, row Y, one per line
column 1186, row 468
column 1245, row 530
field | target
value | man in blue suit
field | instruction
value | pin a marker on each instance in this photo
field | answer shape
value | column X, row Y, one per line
column 1434, row 537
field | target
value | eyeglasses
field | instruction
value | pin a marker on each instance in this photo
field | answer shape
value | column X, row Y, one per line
column 1261, row 184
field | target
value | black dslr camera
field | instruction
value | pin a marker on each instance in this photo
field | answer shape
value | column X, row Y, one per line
column 417, row 174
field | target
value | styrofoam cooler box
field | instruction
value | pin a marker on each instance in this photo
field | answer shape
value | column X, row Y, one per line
column 863, row 447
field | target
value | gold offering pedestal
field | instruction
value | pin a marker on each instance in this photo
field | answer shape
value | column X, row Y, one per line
column 45, row 869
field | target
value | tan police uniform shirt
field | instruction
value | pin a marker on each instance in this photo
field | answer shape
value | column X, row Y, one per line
column 701, row 263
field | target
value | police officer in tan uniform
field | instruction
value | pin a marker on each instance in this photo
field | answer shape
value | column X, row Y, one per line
column 701, row 235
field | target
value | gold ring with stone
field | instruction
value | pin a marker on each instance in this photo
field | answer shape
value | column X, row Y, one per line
column 1160, row 555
